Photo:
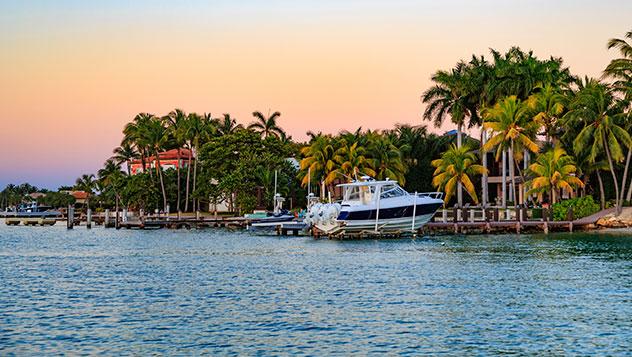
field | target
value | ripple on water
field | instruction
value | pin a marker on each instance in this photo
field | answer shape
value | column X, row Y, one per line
column 217, row 291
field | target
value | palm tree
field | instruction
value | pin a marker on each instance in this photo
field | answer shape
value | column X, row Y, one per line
column 199, row 130
column 352, row 161
column 267, row 126
column 110, row 176
column 134, row 135
column 457, row 165
column 156, row 136
column 125, row 154
column 452, row 96
column 319, row 162
column 596, row 109
column 548, row 106
column 552, row 171
column 386, row 160
column 87, row 184
column 177, row 127
column 620, row 69
column 512, row 130
column 227, row 125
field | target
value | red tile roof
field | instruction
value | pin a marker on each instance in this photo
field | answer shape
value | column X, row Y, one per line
column 79, row 195
column 169, row 155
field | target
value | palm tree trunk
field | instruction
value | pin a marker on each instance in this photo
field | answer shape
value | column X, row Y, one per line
column 162, row 183
column 484, row 162
column 602, row 195
column 628, row 197
column 459, row 142
column 196, row 201
column 504, row 179
column 614, row 177
column 186, row 195
column 512, row 174
column 178, row 185
column 625, row 174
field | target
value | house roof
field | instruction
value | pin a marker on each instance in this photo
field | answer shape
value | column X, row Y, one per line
column 169, row 155
column 79, row 195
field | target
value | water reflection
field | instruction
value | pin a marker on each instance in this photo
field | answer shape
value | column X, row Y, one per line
column 215, row 291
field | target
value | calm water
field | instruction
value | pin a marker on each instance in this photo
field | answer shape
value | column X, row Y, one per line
column 222, row 292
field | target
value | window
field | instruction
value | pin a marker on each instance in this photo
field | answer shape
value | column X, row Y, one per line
column 391, row 191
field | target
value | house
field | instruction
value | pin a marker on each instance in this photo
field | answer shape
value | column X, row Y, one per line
column 171, row 159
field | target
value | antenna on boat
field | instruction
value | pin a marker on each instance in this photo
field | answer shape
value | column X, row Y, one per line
column 275, row 187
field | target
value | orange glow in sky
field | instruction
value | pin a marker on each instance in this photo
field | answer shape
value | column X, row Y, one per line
column 72, row 73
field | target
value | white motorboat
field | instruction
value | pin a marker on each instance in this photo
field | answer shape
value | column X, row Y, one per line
column 374, row 206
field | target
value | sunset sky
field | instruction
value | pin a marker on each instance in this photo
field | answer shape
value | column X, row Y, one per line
column 72, row 73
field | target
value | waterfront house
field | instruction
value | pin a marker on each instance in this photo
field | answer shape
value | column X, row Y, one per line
column 171, row 159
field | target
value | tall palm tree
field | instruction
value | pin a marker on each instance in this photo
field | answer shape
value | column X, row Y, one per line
column 596, row 109
column 125, row 154
column 457, row 165
column 318, row 161
column 177, row 128
column 552, row 171
column 156, row 136
column 200, row 129
column 227, row 125
column 620, row 69
column 512, row 130
column 267, row 126
column 386, row 160
column 87, row 184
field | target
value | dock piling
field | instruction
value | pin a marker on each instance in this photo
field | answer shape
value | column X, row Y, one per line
column 70, row 217
column 89, row 218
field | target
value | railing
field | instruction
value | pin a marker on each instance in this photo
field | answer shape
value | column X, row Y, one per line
column 496, row 214
column 435, row 195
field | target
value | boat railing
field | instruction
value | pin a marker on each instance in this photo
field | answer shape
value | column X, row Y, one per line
column 435, row 195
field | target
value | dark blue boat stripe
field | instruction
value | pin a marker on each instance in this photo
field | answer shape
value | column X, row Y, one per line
column 390, row 213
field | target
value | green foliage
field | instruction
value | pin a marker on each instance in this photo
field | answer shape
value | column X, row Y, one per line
column 582, row 207
column 56, row 199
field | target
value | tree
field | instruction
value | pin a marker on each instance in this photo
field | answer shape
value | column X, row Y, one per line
column 200, row 129
column 547, row 106
column 552, row 171
column 512, row 130
column 227, row 125
column 267, row 126
column 457, row 165
column 595, row 108
column 177, row 129
column 386, row 159
column 155, row 135
column 87, row 184
column 318, row 161
column 620, row 69
column 352, row 161
column 125, row 154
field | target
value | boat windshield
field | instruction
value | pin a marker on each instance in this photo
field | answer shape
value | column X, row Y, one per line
column 362, row 194
column 390, row 191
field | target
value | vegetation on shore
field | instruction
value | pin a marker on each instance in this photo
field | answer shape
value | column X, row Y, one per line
column 551, row 129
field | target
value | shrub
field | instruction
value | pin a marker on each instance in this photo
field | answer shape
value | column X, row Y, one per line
column 582, row 207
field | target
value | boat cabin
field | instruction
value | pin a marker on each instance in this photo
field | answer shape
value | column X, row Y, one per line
column 365, row 192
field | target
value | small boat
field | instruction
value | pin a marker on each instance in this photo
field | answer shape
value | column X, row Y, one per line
column 273, row 219
column 32, row 210
column 374, row 206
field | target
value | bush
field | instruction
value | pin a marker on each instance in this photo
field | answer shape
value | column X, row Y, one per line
column 582, row 207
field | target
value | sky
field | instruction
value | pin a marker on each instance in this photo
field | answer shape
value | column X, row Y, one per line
column 72, row 73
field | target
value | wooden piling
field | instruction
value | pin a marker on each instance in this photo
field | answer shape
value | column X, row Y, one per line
column 89, row 218
column 70, row 217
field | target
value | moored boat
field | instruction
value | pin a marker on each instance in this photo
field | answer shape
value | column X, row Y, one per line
column 374, row 206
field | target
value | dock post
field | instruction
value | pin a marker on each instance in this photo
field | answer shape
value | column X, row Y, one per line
column 464, row 214
column 197, row 215
column 70, row 217
column 106, row 218
column 546, row 227
column 570, row 226
column 124, row 215
column 117, row 223
column 444, row 216
column 517, row 227
column 89, row 219
column 472, row 215
column 167, row 210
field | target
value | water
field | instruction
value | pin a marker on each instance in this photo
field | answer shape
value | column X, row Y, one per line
column 221, row 292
